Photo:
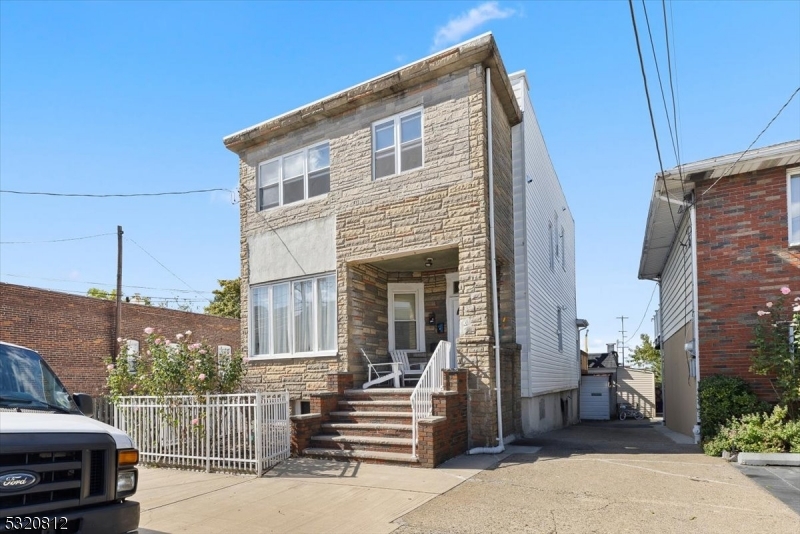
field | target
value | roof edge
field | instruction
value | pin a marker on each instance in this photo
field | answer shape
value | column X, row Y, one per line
column 482, row 49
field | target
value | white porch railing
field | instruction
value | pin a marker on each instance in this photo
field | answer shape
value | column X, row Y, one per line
column 231, row 433
column 429, row 383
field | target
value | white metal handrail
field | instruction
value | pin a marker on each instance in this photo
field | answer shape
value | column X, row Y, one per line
column 429, row 383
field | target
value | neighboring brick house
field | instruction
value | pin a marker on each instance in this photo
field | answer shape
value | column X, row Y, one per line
column 734, row 242
column 365, row 224
column 75, row 334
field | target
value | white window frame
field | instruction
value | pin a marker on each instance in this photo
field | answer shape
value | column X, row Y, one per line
column 406, row 289
column 315, row 352
column 397, row 143
column 280, row 159
column 791, row 173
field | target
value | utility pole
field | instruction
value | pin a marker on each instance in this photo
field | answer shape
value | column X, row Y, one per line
column 118, row 317
column 622, row 318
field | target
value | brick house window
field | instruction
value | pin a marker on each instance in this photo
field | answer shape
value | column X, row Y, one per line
column 793, row 194
column 397, row 144
column 406, row 312
column 294, row 177
column 295, row 317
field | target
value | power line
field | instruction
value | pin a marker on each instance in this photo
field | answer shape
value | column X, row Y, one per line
column 103, row 283
column 754, row 142
column 54, row 240
column 643, row 315
column 650, row 109
column 162, row 265
column 117, row 195
column 672, row 94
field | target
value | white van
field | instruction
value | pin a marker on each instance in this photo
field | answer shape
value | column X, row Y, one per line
column 60, row 471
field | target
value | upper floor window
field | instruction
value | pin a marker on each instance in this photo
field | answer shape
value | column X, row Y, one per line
column 793, row 186
column 294, row 317
column 294, row 177
column 397, row 144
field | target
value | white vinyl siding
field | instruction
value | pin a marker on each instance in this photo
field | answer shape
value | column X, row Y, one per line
column 540, row 214
column 793, row 194
column 295, row 317
column 637, row 386
column 676, row 284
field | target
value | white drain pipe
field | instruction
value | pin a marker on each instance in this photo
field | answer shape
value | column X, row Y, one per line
column 495, row 306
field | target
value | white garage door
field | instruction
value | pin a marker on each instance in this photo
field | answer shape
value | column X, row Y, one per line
column 594, row 398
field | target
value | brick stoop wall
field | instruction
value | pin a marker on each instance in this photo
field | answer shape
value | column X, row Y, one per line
column 74, row 334
column 743, row 259
column 374, row 431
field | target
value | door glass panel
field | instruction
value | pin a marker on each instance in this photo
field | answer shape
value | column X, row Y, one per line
column 405, row 307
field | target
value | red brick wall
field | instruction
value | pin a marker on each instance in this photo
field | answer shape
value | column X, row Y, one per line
column 74, row 334
column 743, row 260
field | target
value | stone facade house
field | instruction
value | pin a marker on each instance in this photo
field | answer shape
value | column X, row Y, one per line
column 369, row 220
column 722, row 237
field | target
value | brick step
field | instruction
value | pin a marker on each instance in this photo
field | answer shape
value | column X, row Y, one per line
column 364, row 456
column 376, row 405
column 379, row 394
column 362, row 443
column 367, row 429
column 372, row 417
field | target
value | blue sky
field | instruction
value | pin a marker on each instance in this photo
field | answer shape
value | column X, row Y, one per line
column 135, row 97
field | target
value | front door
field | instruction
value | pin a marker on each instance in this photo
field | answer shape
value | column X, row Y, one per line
column 452, row 316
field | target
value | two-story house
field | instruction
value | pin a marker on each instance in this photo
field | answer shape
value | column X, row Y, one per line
column 402, row 212
column 722, row 237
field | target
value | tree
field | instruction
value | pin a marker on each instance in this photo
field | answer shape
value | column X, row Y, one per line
column 98, row 293
column 227, row 299
column 646, row 356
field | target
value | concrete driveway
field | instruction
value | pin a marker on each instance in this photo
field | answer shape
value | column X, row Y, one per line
column 621, row 476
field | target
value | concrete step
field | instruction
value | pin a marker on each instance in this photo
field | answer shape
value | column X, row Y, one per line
column 363, row 443
column 364, row 456
column 376, row 405
column 379, row 394
column 371, row 417
column 388, row 430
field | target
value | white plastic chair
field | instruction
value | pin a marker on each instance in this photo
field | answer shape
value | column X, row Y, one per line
column 378, row 373
column 412, row 372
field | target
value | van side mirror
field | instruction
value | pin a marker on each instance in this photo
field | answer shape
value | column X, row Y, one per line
column 85, row 403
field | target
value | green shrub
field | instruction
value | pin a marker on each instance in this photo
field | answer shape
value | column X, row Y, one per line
column 757, row 432
column 723, row 397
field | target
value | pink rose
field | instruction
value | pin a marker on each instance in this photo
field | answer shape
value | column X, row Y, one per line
column 201, row 377
column 195, row 421
column 762, row 313
column 178, row 336
column 202, row 351
column 119, row 340
column 110, row 366
column 785, row 290
column 769, row 304
column 158, row 341
column 148, row 330
column 188, row 332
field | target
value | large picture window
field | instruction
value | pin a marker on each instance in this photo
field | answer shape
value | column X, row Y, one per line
column 397, row 144
column 294, row 177
column 406, row 324
column 296, row 317
column 793, row 193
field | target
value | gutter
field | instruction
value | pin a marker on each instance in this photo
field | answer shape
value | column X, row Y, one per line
column 495, row 305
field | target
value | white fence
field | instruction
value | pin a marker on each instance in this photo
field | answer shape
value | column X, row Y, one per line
column 429, row 383
column 247, row 433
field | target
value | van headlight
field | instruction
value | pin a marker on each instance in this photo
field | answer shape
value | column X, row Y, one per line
column 126, row 482
column 126, row 472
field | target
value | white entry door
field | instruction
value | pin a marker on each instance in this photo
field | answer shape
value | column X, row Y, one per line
column 452, row 316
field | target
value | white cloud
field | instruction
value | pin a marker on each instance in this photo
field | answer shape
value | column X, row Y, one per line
column 455, row 30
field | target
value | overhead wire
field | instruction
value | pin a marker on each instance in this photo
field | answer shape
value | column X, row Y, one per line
column 115, row 195
column 103, row 283
column 162, row 265
column 650, row 109
column 644, row 315
column 55, row 240
column 729, row 169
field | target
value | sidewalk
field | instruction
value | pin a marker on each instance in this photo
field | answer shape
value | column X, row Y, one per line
column 300, row 495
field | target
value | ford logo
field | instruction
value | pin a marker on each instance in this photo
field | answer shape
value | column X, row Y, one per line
column 17, row 481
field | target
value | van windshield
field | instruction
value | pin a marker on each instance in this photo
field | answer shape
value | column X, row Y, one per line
column 27, row 382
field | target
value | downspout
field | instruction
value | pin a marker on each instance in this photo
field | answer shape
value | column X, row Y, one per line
column 696, row 322
column 495, row 305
